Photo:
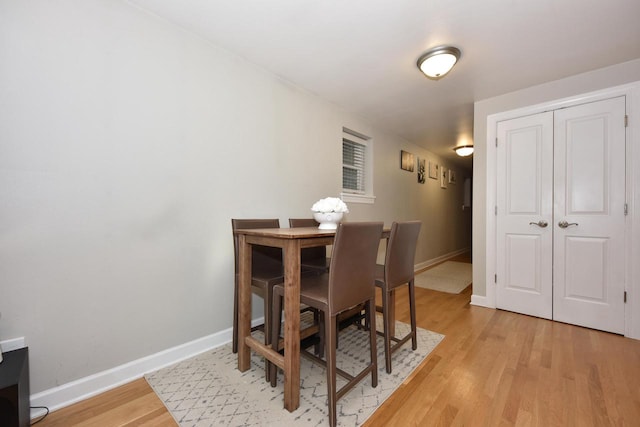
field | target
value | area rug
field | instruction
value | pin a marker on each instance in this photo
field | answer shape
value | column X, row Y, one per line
column 208, row 390
column 450, row 276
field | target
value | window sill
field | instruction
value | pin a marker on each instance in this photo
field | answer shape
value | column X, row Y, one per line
column 357, row 198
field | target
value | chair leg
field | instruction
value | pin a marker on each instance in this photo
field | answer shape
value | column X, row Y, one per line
column 412, row 313
column 371, row 309
column 387, row 328
column 276, row 322
column 268, row 313
column 234, row 344
column 318, row 320
column 268, row 310
column 330, row 348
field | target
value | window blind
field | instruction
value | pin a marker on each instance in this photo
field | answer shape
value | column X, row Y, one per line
column 353, row 162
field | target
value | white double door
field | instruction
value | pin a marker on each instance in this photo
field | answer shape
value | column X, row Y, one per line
column 561, row 215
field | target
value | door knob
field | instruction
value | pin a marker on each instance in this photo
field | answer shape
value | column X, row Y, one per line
column 565, row 224
column 542, row 223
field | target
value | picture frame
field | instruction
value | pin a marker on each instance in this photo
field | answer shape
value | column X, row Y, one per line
column 443, row 177
column 452, row 176
column 406, row 161
column 421, row 170
column 433, row 170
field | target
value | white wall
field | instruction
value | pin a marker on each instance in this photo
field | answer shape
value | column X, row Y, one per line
column 126, row 146
column 571, row 86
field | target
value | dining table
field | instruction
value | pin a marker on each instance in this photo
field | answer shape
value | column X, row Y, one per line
column 291, row 240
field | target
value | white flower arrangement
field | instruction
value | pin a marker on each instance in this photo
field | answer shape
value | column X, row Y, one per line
column 330, row 204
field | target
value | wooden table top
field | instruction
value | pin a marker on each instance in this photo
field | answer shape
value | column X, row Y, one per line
column 287, row 233
column 294, row 233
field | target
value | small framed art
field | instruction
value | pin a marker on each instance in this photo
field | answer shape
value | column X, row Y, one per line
column 433, row 170
column 406, row 161
column 421, row 170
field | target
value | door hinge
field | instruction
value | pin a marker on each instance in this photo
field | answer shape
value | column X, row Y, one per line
column 626, row 120
column 495, row 210
column 626, row 209
column 495, row 280
column 496, row 141
column 625, row 297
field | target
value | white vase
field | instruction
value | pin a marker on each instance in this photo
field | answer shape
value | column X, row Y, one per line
column 328, row 220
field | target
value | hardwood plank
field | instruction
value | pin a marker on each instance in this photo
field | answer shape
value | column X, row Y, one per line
column 134, row 403
column 494, row 368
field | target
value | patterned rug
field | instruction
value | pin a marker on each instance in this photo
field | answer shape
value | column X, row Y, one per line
column 450, row 276
column 208, row 390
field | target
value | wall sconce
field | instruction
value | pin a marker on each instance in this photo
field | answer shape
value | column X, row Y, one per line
column 437, row 62
column 464, row 150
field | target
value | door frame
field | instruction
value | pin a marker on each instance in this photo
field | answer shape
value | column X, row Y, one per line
column 632, row 224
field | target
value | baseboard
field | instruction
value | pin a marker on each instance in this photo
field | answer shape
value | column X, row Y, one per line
column 12, row 344
column 84, row 388
column 480, row 300
column 439, row 259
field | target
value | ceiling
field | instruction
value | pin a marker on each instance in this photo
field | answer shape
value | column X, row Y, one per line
column 361, row 54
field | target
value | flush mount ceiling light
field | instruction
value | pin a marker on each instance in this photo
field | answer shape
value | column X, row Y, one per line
column 437, row 62
column 464, row 150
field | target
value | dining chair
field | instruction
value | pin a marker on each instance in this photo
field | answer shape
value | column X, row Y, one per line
column 315, row 258
column 398, row 270
column 266, row 271
column 349, row 282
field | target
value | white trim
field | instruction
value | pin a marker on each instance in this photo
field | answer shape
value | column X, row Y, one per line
column 12, row 344
column 357, row 198
column 632, row 311
column 439, row 259
column 632, row 314
column 368, row 195
column 480, row 301
column 92, row 385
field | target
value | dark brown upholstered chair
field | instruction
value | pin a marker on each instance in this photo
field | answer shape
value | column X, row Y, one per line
column 266, row 271
column 349, row 282
column 398, row 270
column 314, row 258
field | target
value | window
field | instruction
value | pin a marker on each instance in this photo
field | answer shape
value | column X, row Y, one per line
column 357, row 182
column 353, row 166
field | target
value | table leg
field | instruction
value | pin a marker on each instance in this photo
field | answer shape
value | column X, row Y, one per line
column 244, row 302
column 292, row 325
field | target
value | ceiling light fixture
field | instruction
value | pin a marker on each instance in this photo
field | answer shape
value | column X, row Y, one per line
column 464, row 150
column 437, row 62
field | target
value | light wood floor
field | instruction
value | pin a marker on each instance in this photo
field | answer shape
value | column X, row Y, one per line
column 494, row 368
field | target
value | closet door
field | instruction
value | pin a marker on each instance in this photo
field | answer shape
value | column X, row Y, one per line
column 589, row 219
column 524, row 238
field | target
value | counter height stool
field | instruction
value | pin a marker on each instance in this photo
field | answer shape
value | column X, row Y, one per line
column 266, row 271
column 314, row 258
column 398, row 270
column 349, row 282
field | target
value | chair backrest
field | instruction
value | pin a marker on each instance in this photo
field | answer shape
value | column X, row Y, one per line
column 401, row 253
column 353, row 264
column 309, row 254
column 261, row 255
column 303, row 222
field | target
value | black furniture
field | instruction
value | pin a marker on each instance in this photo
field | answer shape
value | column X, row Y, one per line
column 14, row 388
